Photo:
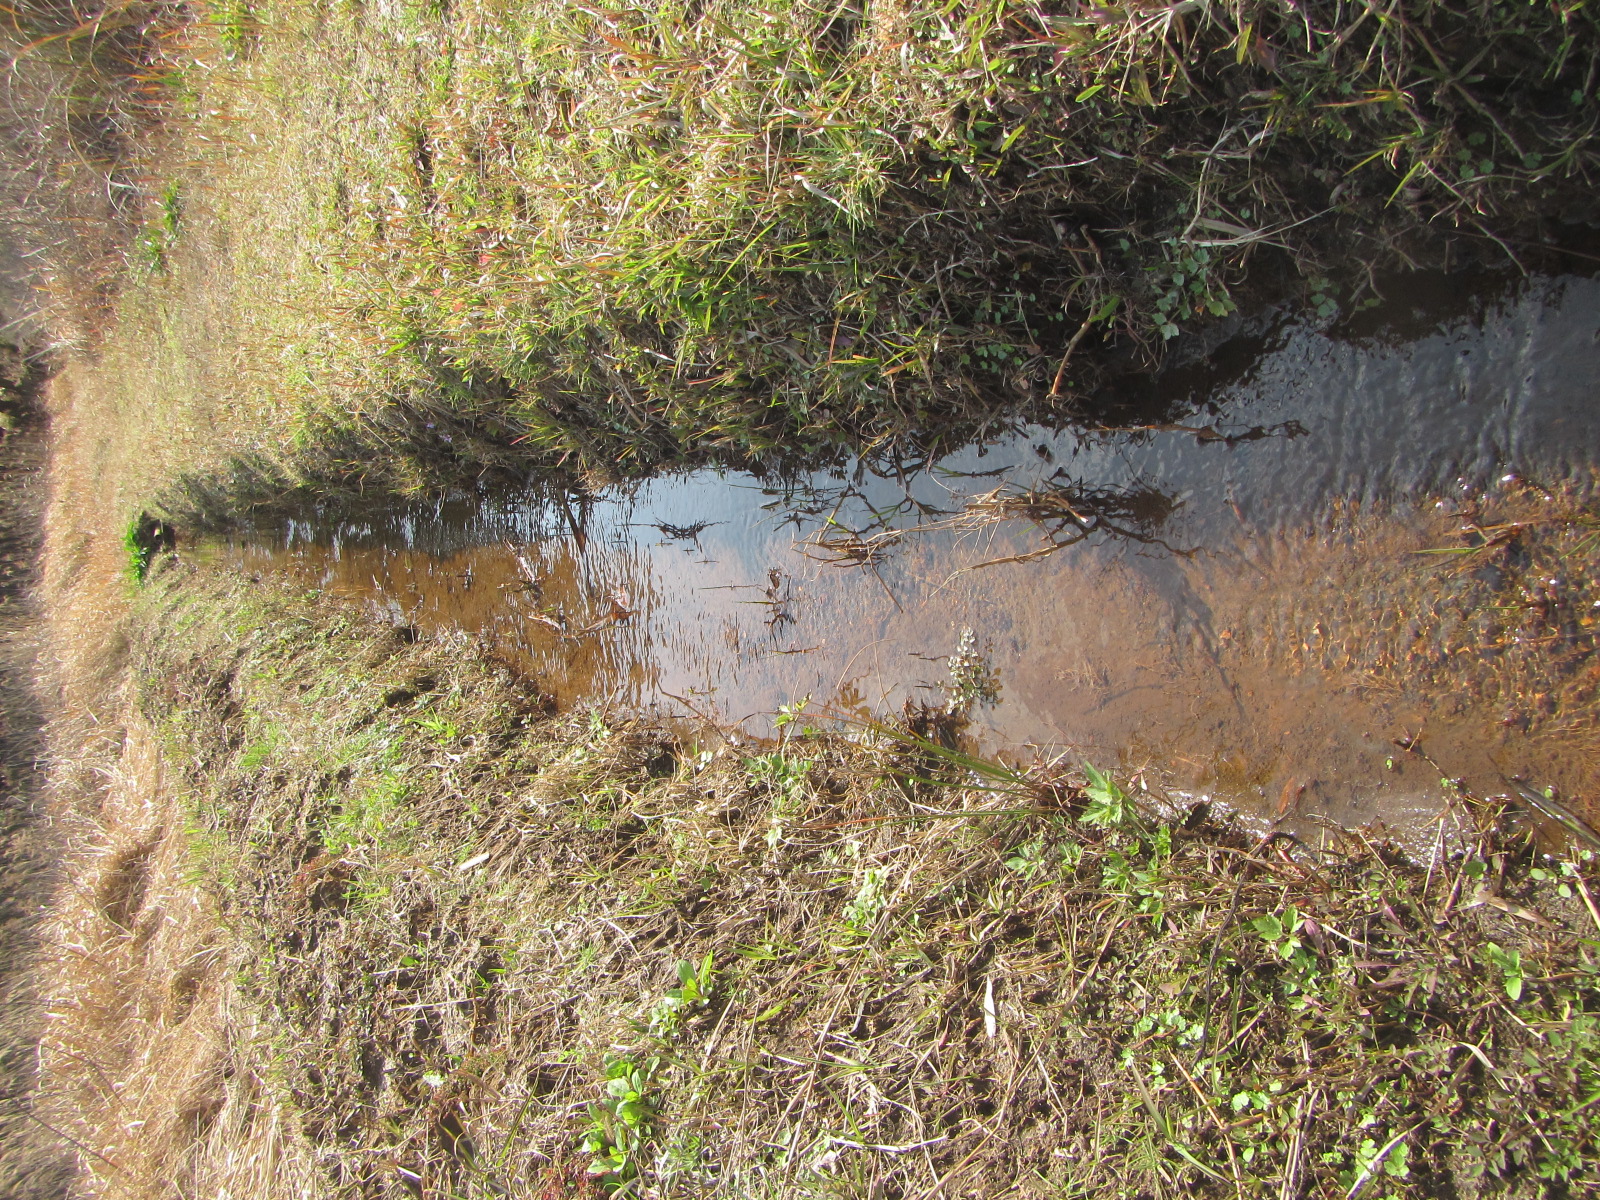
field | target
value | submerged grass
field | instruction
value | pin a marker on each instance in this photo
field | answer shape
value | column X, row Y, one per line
column 502, row 951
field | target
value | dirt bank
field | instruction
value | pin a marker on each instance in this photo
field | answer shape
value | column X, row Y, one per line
column 500, row 951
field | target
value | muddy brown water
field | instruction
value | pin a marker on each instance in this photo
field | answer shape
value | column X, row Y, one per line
column 1244, row 602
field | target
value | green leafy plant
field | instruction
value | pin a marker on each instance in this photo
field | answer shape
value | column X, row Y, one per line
column 256, row 754
column 138, row 550
column 789, row 714
column 869, row 903
column 1188, row 284
column 372, row 816
column 236, row 24
column 1281, row 932
column 1109, row 806
column 1509, row 964
column 160, row 234
column 1370, row 1159
column 1140, row 885
column 621, row 1121
column 1172, row 1025
column 693, row 992
column 1028, row 859
column 784, row 775
column 1324, row 304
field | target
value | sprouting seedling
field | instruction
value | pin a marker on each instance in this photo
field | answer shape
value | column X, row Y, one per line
column 789, row 714
column 1279, row 932
column 1028, row 859
column 1284, row 934
column 694, row 991
column 870, row 902
column 1509, row 964
column 440, row 727
column 620, row 1122
column 785, row 776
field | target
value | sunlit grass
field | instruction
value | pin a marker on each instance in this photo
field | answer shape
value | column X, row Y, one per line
column 418, row 242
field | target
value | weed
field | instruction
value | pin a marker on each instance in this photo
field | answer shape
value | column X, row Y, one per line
column 870, row 902
column 693, row 992
column 236, row 24
column 153, row 247
column 254, row 755
column 1187, row 285
column 441, row 728
column 1509, row 964
column 142, row 540
column 1109, row 807
column 1281, row 933
column 791, row 714
column 621, row 1123
column 1028, row 859
column 1139, row 884
column 374, row 817
column 973, row 682
column 785, row 776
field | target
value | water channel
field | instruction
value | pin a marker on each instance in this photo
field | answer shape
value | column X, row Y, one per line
column 1347, row 536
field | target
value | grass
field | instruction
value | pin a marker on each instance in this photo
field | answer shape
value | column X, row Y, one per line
column 36, row 1163
column 329, row 244
column 769, row 974
column 151, row 1063
column 399, row 247
column 83, row 101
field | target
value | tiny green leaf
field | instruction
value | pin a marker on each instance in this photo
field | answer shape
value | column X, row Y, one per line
column 1269, row 928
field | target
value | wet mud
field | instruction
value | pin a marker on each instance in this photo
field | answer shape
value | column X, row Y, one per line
column 1348, row 537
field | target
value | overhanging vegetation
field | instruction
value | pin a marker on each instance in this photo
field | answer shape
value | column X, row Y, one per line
column 426, row 241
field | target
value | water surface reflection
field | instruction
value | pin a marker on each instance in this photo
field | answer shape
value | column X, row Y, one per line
column 1246, row 598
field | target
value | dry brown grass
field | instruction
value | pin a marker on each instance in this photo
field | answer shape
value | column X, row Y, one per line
column 154, row 1066
column 83, row 93
column 151, row 1064
column 34, row 1164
